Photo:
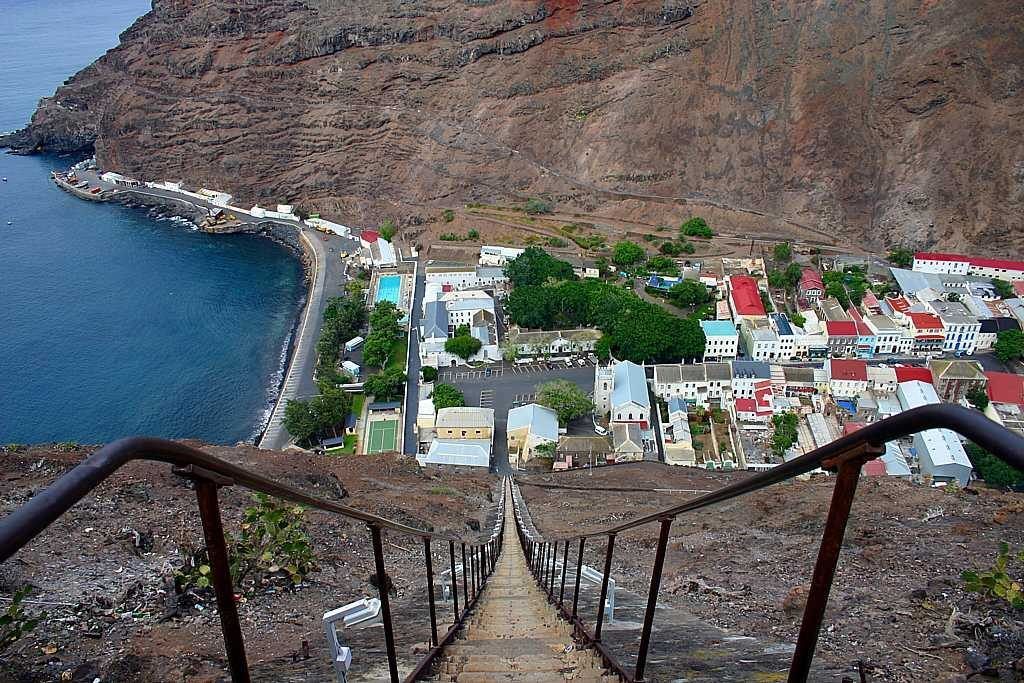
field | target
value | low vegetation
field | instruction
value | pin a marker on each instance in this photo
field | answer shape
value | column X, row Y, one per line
column 996, row 581
column 15, row 622
column 991, row 469
column 536, row 206
column 901, row 257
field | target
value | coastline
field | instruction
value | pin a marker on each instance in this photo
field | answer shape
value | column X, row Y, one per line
column 288, row 237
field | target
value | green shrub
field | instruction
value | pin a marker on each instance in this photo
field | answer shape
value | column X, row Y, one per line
column 448, row 215
column 14, row 622
column 996, row 581
column 535, row 206
column 696, row 227
column 473, row 234
column 429, row 373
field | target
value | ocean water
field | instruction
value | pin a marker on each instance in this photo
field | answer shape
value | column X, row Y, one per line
column 112, row 322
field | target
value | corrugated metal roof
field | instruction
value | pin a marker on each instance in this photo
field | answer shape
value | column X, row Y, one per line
column 540, row 420
column 630, row 385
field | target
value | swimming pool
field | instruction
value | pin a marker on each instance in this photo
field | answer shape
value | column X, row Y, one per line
column 388, row 288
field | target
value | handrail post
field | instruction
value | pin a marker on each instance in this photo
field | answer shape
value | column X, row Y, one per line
column 604, row 585
column 828, row 559
column 551, row 574
column 220, row 570
column 455, row 585
column 565, row 566
column 465, row 579
column 579, row 571
column 383, row 582
column 430, row 590
column 652, row 598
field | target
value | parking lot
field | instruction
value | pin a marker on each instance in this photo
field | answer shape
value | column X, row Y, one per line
column 540, row 367
column 516, row 389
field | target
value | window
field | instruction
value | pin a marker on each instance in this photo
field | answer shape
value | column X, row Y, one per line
column 463, row 432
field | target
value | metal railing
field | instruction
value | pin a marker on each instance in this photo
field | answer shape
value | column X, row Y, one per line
column 210, row 474
column 846, row 455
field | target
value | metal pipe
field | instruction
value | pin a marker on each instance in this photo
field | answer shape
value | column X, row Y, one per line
column 385, row 601
column 579, row 571
column 455, row 585
column 825, row 568
column 565, row 566
column 430, row 590
column 551, row 574
column 220, row 571
column 604, row 585
column 652, row 598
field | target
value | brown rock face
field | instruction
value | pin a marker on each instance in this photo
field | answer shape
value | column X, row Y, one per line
column 874, row 122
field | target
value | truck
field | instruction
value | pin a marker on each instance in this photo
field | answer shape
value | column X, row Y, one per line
column 353, row 344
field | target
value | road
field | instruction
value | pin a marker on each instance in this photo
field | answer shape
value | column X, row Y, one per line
column 412, row 370
column 515, row 386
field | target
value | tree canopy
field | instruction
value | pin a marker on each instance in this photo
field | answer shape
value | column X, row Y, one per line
column 901, row 257
column 1004, row 289
column 626, row 254
column 696, row 227
column 565, row 398
column 634, row 329
column 387, row 229
column 386, row 385
column 662, row 265
column 783, row 251
column 463, row 346
column 1009, row 345
column 994, row 471
column 689, row 293
column 343, row 318
column 306, row 419
column 535, row 267
column 447, row 396
column 384, row 331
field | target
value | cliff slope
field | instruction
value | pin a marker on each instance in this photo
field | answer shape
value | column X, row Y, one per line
column 875, row 122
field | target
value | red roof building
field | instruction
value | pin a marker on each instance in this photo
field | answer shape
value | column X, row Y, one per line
column 369, row 236
column 811, row 287
column 912, row 373
column 851, row 370
column 851, row 427
column 1018, row 287
column 871, row 304
column 862, row 327
column 746, row 405
column 975, row 262
column 898, row 303
column 745, row 296
column 926, row 325
column 1005, row 387
column 941, row 256
column 841, row 328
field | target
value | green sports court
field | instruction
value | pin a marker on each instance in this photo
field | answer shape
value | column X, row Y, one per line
column 382, row 436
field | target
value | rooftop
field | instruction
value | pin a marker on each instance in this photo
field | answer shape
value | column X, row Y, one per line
column 955, row 369
column 630, row 385
column 998, row 264
column 810, row 278
column 746, row 297
column 540, row 420
column 718, row 328
column 925, row 321
column 464, row 417
column 841, row 328
column 751, row 368
column 1005, row 387
column 584, row 444
column 854, row 370
column 911, row 373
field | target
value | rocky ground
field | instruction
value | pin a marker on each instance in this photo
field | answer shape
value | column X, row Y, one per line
column 103, row 573
column 866, row 123
column 898, row 608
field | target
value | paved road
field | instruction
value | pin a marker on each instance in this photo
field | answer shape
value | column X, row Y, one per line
column 514, row 389
column 412, row 394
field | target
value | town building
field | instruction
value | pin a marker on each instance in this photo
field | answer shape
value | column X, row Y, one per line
column 628, row 400
column 377, row 251
column 678, row 441
column 462, row 436
column 760, row 342
column 997, row 269
column 627, row 442
column 842, row 337
column 498, row 256
column 954, row 379
column 882, row 379
column 940, row 454
column 913, row 373
column 865, row 346
column 989, row 329
column 528, row 428
column 811, row 287
column 745, row 298
column 847, row 378
column 455, row 276
column 1006, row 400
column 582, row 451
column 444, row 311
column 928, row 333
column 700, row 384
column 721, row 339
column 890, row 338
column 752, row 390
column 554, row 342
column 960, row 328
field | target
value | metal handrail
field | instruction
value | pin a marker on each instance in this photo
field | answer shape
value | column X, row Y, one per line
column 209, row 474
column 847, row 455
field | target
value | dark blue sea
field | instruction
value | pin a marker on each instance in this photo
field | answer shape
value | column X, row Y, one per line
column 113, row 322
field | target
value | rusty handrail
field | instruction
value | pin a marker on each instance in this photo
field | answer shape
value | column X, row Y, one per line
column 210, row 474
column 847, row 455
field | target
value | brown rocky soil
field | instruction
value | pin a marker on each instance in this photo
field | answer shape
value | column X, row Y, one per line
column 897, row 605
column 865, row 123
column 103, row 572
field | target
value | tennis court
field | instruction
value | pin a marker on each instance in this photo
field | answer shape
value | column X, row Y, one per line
column 382, row 437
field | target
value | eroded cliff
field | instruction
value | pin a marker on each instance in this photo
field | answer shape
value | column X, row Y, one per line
column 874, row 123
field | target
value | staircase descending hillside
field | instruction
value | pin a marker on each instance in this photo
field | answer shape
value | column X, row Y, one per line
column 514, row 634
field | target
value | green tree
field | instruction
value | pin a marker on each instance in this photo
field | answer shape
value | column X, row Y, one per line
column 669, row 248
column 777, row 279
column 603, row 348
column 994, row 471
column 627, row 253
column 1004, row 289
column 901, row 257
column 978, row 398
column 689, row 293
column 1009, row 345
column 377, row 350
column 696, row 227
column 783, row 251
column 687, row 248
column 463, row 346
column 565, row 398
column 509, row 351
column 792, row 274
column 386, row 385
column 785, row 432
column 662, row 265
column 300, row 420
column 798, row 319
column 838, row 291
column 387, row 229
column 447, row 396
column 535, row 267
column 429, row 373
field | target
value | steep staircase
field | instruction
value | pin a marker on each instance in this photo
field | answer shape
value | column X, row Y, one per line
column 514, row 634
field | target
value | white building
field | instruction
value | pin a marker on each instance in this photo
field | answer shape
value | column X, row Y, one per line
column 554, row 342
column 940, row 454
column 527, row 428
column 957, row 264
column 847, row 378
column 498, row 256
column 678, row 441
column 721, row 339
column 882, row 379
column 700, row 384
column 454, row 276
column 621, row 391
column 444, row 312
